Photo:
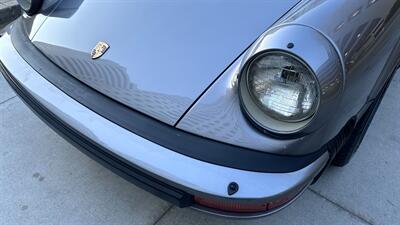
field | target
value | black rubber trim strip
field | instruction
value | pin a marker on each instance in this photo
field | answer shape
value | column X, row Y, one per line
column 105, row 157
column 177, row 140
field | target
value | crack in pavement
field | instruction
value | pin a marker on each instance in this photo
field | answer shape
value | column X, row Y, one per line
column 341, row 207
column 9, row 99
column 163, row 214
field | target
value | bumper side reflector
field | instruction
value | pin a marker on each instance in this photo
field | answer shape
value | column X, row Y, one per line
column 231, row 206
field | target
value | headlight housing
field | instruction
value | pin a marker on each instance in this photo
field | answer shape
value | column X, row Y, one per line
column 279, row 91
column 30, row 6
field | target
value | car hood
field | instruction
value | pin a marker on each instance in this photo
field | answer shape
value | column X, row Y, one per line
column 163, row 54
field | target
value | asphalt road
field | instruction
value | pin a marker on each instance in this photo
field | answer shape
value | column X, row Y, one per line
column 45, row 180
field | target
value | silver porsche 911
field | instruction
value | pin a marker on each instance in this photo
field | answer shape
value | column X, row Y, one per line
column 232, row 107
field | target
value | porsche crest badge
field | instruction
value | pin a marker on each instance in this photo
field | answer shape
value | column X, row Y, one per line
column 99, row 50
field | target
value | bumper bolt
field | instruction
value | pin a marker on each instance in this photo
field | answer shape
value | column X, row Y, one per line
column 233, row 188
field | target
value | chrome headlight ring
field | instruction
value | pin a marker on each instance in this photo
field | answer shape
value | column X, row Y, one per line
column 280, row 92
column 290, row 81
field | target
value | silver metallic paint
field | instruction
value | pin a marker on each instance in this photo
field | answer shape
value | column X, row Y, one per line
column 368, row 37
column 308, row 45
column 365, row 52
column 167, row 52
column 192, row 175
column 365, row 32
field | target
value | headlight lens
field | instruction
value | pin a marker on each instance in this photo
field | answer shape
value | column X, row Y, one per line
column 283, row 87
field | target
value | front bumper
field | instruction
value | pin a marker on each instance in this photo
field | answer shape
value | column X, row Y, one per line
column 166, row 173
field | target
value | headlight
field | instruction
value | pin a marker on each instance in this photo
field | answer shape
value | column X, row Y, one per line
column 30, row 6
column 279, row 91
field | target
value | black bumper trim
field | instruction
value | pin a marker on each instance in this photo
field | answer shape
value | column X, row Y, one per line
column 105, row 157
column 170, row 137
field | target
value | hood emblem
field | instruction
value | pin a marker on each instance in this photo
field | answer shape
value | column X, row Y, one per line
column 99, row 50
